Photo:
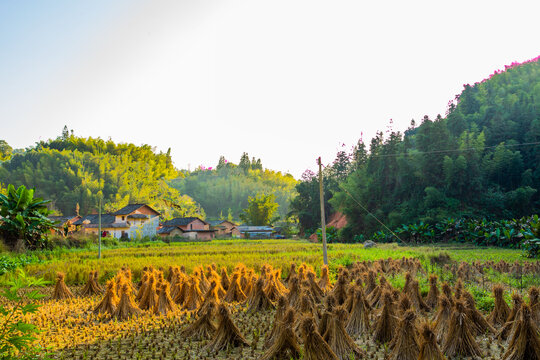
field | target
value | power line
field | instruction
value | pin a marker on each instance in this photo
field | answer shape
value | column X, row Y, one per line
column 369, row 212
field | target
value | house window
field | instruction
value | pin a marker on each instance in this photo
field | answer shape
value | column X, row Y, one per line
column 191, row 226
column 123, row 218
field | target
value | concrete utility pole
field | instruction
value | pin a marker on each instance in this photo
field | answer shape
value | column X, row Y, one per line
column 323, row 218
column 99, row 229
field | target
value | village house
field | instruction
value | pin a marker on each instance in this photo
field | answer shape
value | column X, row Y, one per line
column 64, row 224
column 255, row 232
column 224, row 228
column 133, row 221
column 187, row 227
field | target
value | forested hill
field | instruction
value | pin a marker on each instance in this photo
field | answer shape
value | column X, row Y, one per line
column 74, row 172
column 481, row 160
column 223, row 190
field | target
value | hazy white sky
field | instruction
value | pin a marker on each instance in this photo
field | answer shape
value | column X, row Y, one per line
column 285, row 81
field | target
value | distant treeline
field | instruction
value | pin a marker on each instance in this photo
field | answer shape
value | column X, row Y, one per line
column 225, row 188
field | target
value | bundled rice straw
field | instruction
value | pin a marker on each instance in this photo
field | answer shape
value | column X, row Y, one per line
column 460, row 341
column 429, row 349
column 505, row 331
column 405, row 345
column 203, row 327
column 324, row 282
column 127, row 307
column 385, row 324
column 225, row 281
column 194, row 297
column 285, row 346
column 227, row 334
column 501, row 311
column 415, row 297
column 291, row 274
column 61, row 291
column 259, row 301
column 92, row 286
column 442, row 318
column 524, row 343
column 315, row 348
column 358, row 322
column 280, row 313
column 481, row 325
column 108, row 304
column 326, row 317
column 433, row 294
column 150, row 297
column 340, row 342
column 165, row 303
column 340, row 290
column 142, row 288
column 534, row 303
column 235, row 292
column 294, row 292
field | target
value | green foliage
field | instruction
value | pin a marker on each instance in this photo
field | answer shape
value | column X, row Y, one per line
column 260, row 211
column 11, row 263
column 228, row 186
column 522, row 233
column 16, row 336
column 24, row 218
column 331, row 234
column 5, row 150
column 479, row 161
column 73, row 170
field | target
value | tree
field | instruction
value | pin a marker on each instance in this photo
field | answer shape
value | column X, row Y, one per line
column 230, row 215
column 260, row 211
column 244, row 163
column 25, row 219
column 5, row 150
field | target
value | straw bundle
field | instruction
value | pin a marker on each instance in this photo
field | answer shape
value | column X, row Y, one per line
column 324, row 281
column 227, row 334
column 165, row 303
column 285, row 347
column 481, row 325
column 259, row 301
column 524, row 343
column 203, row 327
column 92, row 286
column 339, row 340
column 282, row 307
column 385, row 324
column 433, row 294
column 194, row 296
column 108, row 304
column 460, row 341
column 61, row 291
column 429, row 349
column 442, row 318
column 405, row 346
column 150, row 297
column 505, row 331
column 501, row 311
column 315, row 348
column 235, row 292
column 358, row 322
column 126, row 307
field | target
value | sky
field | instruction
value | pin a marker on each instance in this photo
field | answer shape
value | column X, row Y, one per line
column 285, row 81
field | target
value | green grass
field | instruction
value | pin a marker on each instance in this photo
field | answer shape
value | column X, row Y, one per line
column 253, row 253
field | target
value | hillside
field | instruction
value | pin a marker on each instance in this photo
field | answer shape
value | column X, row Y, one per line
column 480, row 160
column 228, row 186
column 74, row 172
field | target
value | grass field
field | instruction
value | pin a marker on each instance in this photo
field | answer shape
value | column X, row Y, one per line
column 71, row 330
column 253, row 253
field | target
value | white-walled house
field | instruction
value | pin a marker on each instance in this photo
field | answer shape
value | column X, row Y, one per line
column 133, row 221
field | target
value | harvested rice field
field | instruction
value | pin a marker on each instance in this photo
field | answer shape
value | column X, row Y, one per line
column 273, row 299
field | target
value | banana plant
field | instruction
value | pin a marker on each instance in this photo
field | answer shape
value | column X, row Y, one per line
column 24, row 217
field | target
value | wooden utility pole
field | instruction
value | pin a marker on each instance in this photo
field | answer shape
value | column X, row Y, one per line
column 99, row 229
column 323, row 218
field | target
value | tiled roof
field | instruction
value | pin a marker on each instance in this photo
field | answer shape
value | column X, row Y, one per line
column 61, row 219
column 137, row 216
column 94, row 219
column 180, row 221
column 167, row 229
column 129, row 209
